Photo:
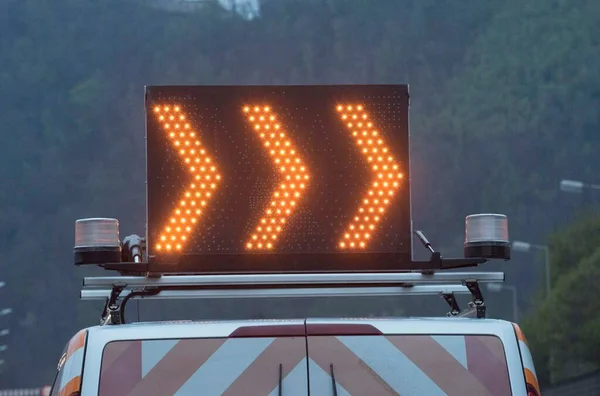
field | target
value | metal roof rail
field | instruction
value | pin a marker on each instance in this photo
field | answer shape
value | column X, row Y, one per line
column 118, row 290
column 288, row 280
column 486, row 239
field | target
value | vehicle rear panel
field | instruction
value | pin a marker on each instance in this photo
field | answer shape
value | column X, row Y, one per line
column 413, row 357
column 356, row 357
column 227, row 358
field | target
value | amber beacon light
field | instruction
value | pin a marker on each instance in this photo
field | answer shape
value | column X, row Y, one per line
column 97, row 241
column 486, row 236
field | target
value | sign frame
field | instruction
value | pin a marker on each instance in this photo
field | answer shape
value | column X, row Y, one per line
column 264, row 262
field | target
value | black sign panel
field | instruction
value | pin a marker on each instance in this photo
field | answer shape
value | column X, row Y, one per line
column 281, row 178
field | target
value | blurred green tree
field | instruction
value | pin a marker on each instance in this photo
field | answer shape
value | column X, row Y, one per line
column 564, row 330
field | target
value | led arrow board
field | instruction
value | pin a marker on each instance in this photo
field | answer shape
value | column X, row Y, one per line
column 272, row 178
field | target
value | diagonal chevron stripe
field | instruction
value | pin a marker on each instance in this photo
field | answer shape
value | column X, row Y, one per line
column 112, row 352
column 387, row 361
column 153, row 351
column 72, row 368
column 527, row 360
column 485, row 357
column 320, row 382
column 439, row 365
column 262, row 375
column 386, row 178
column 293, row 182
column 366, row 364
column 455, row 345
column 350, row 371
column 175, row 368
column 70, row 376
column 205, row 178
column 295, row 383
column 225, row 366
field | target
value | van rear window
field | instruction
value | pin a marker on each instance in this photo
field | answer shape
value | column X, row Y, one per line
column 355, row 365
column 208, row 366
column 409, row 365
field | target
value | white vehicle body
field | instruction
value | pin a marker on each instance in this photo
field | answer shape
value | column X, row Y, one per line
column 319, row 357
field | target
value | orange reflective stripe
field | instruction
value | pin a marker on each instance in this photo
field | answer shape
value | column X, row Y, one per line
column 530, row 377
column 532, row 380
column 72, row 387
column 520, row 334
column 73, row 365
column 77, row 342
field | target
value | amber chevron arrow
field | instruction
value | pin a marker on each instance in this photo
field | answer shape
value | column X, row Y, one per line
column 385, row 182
column 293, row 181
column 203, row 173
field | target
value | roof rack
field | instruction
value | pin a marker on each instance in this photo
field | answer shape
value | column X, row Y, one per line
column 118, row 290
column 488, row 239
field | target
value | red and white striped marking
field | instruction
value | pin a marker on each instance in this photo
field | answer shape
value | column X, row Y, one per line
column 248, row 363
column 409, row 364
column 219, row 366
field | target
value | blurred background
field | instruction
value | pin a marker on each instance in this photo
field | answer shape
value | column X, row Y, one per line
column 505, row 99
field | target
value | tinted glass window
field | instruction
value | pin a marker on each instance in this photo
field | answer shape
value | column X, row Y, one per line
column 408, row 365
column 210, row 366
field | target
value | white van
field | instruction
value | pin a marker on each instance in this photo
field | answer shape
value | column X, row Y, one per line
column 319, row 357
column 461, row 354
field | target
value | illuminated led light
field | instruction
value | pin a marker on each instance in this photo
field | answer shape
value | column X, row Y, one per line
column 179, row 235
column 376, row 189
column 278, row 210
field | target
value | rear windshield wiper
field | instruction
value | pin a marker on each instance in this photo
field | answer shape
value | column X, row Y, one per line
column 280, row 379
column 333, row 383
column 333, row 380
